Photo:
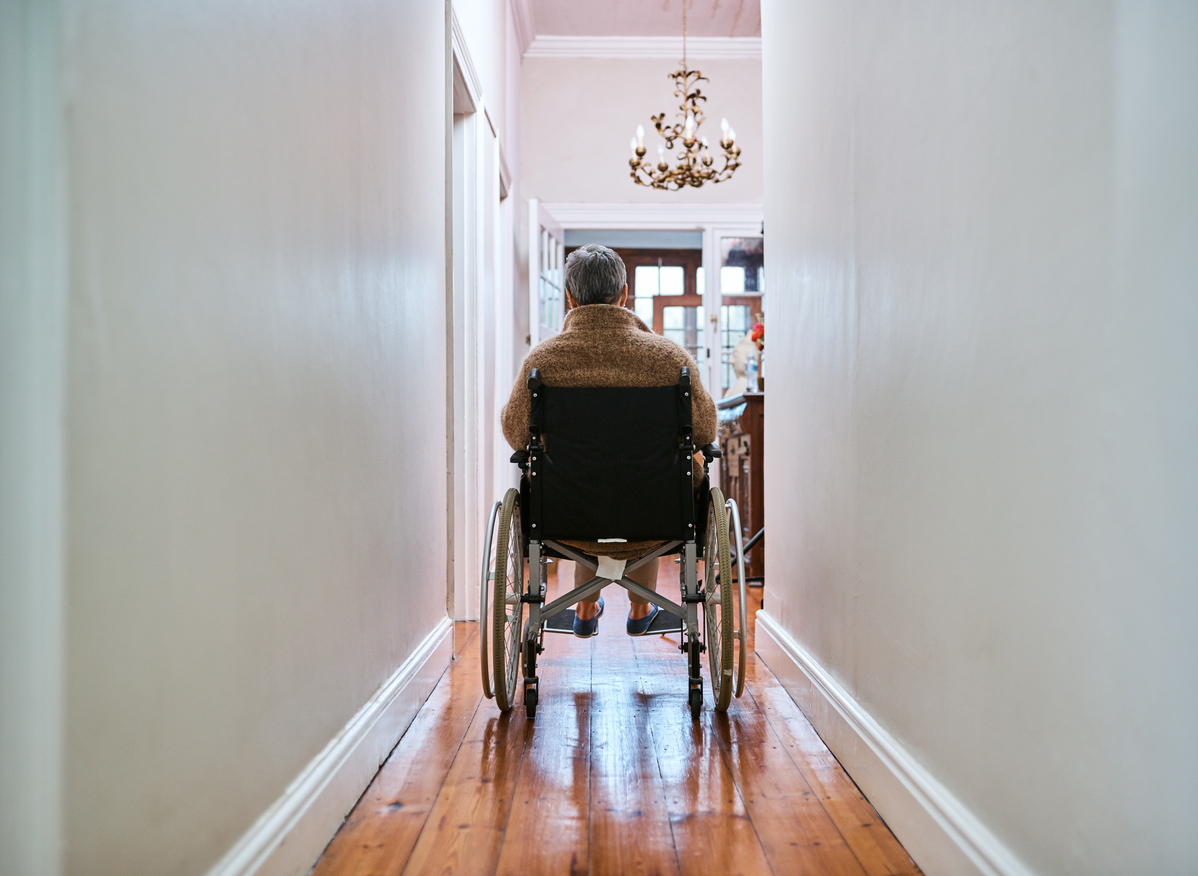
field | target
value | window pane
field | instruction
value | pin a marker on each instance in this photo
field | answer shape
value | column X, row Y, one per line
column 644, row 309
column 683, row 326
column 646, row 282
column 672, row 278
column 732, row 280
column 699, row 280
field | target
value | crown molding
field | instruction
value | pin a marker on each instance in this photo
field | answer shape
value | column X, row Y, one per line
column 654, row 217
column 699, row 48
column 525, row 27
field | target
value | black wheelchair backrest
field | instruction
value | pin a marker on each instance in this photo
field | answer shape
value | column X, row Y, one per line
column 611, row 462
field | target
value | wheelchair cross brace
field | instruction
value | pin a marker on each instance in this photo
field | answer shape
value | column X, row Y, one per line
column 584, row 590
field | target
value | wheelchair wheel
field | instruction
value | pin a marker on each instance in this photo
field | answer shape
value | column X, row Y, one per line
column 718, row 574
column 484, row 603
column 507, row 609
column 741, row 633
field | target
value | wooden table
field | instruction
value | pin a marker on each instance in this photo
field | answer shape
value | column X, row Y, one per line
column 742, row 471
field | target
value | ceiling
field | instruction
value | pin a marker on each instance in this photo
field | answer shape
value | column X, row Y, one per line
column 704, row 18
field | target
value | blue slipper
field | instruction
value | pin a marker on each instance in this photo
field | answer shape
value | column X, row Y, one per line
column 656, row 622
column 584, row 629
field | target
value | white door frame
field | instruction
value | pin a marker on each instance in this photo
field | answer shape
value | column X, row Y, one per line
column 546, row 252
column 480, row 315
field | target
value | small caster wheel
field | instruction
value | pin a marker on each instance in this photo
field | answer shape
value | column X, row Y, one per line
column 530, row 702
column 696, row 701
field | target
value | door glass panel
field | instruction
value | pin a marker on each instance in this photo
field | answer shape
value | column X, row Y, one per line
column 732, row 280
column 736, row 320
column 742, row 284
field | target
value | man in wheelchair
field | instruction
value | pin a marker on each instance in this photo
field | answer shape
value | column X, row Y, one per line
column 606, row 420
column 603, row 344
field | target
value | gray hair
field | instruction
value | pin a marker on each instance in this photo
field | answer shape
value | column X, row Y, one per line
column 595, row 275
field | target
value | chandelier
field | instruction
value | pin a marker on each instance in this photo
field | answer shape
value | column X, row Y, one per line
column 695, row 163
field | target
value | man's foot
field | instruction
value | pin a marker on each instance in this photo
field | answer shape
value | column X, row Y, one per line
column 656, row 622
column 584, row 629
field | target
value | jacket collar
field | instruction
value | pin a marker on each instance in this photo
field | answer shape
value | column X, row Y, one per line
column 603, row 317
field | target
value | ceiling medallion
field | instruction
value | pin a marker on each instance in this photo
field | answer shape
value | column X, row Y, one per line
column 695, row 164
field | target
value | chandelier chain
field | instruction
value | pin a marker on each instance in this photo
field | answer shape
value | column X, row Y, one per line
column 684, row 67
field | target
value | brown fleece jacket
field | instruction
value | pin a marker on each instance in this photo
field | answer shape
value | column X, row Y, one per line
column 607, row 345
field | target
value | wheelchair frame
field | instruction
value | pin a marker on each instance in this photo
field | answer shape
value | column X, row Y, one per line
column 537, row 550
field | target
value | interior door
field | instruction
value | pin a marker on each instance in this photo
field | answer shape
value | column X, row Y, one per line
column 546, row 274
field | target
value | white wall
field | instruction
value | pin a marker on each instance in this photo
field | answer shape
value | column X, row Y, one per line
column 579, row 114
column 254, row 399
column 32, row 326
column 982, row 432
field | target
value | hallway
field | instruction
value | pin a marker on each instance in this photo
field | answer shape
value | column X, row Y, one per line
column 613, row 777
column 270, row 271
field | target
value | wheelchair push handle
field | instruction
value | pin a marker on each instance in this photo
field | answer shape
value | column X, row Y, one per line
column 536, row 410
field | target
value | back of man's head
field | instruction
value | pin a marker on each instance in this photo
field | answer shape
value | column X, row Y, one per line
column 595, row 275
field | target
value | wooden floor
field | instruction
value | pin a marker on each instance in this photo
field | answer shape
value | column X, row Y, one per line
column 613, row 776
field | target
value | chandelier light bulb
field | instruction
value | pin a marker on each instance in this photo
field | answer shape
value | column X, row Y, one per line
column 632, row 145
column 724, row 125
column 661, row 150
column 732, row 133
column 690, row 122
column 640, row 135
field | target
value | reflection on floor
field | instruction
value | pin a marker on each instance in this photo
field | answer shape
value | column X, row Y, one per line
column 612, row 777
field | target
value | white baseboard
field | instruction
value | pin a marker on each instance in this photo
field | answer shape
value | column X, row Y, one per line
column 291, row 834
column 937, row 830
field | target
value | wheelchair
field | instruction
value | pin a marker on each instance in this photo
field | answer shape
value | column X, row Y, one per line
column 611, row 464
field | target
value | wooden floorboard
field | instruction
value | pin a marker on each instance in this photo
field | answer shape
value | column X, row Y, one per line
column 378, row 836
column 613, row 776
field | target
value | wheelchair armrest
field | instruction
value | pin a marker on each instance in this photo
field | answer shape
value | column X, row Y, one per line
column 712, row 451
column 520, row 457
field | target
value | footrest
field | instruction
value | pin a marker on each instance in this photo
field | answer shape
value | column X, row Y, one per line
column 562, row 622
column 663, row 624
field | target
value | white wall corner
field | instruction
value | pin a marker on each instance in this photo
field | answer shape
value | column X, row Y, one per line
column 937, row 830
column 289, row 837
column 526, row 28
column 668, row 47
